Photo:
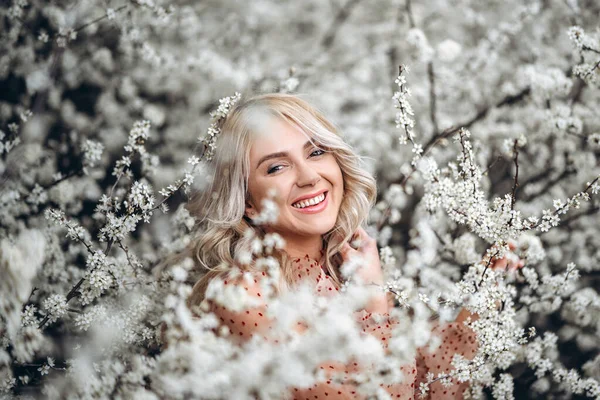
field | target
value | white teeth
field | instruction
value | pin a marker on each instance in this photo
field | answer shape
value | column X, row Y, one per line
column 309, row 202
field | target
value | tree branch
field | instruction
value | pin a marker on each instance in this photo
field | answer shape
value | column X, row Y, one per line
column 338, row 21
column 432, row 97
column 483, row 112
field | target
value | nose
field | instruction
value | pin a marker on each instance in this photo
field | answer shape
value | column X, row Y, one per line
column 307, row 175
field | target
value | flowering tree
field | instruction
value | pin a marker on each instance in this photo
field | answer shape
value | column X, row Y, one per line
column 487, row 148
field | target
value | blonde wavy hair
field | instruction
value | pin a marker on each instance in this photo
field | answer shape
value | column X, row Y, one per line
column 219, row 210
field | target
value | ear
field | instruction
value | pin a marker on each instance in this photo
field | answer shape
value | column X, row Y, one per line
column 250, row 210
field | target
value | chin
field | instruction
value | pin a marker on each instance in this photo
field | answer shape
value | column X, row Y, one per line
column 317, row 229
column 325, row 228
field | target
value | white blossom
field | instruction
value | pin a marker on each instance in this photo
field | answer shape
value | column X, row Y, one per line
column 110, row 13
column 55, row 307
column 193, row 160
column 92, row 152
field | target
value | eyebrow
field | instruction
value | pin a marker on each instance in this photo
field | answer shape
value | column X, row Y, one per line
column 280, row 154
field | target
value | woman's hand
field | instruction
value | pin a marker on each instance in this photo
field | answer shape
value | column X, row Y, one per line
column 510, row 262
column 370, row 271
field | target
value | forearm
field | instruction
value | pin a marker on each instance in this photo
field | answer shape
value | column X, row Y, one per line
column 379, row 302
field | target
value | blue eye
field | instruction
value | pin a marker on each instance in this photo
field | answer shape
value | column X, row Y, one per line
column 274, row 167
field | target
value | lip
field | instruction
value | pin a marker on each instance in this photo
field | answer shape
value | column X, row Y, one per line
column 314, row 209
column 309, row 196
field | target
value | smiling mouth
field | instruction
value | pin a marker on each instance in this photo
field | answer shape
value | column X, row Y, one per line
column 308, row 204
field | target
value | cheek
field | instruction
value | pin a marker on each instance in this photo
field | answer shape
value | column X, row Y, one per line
column 253, row 190
column 280, row 187
column 258, row 191
column 339, row 177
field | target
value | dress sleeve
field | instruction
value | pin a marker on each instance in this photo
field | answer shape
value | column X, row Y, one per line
column 456, row 338
column 253, row 320
column 379, row 326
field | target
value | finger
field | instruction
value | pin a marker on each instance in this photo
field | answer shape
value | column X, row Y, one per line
column 511, row 266
column 359, row 243
column 500, row 264
column 356, row 242
column 363, row 234
column 366, row 240
column 346, row 250
column 516, row 265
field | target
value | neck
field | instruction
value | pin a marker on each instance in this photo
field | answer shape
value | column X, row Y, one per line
column 298, row 247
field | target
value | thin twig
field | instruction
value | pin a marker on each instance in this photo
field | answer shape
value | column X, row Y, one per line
column 491, row 165
column 432, row 97
column 574, row 217
column 105, row 16
column 64, row 178
column 486, row 269
column 547, row 186
column 593, row 68
column 126, row 250
column 559, row 210
column 483, row 112
column 411, row 19
column 537, row 177
column 513, row 196
column 588, row 48
column 30, row 295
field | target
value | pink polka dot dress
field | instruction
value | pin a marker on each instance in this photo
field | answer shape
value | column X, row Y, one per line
column 455, row 337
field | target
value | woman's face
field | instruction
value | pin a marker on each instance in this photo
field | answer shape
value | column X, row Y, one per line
column 282, row 158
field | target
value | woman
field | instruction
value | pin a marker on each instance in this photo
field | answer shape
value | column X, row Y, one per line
column 277, row 144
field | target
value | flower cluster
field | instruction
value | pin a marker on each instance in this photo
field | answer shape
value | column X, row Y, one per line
column 74, row 231
column 547, row 83
column 588, row 46
column 55, row 307
column 210, row 141
column 138, row 135
column 99, row 278
column 118, row 227
column 92, row 152
column 6, row 145
column 457, row 189
column 141, row 198
column 405, row 113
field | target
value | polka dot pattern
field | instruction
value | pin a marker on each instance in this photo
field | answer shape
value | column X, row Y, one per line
column 456, row 338
column 242, row 325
